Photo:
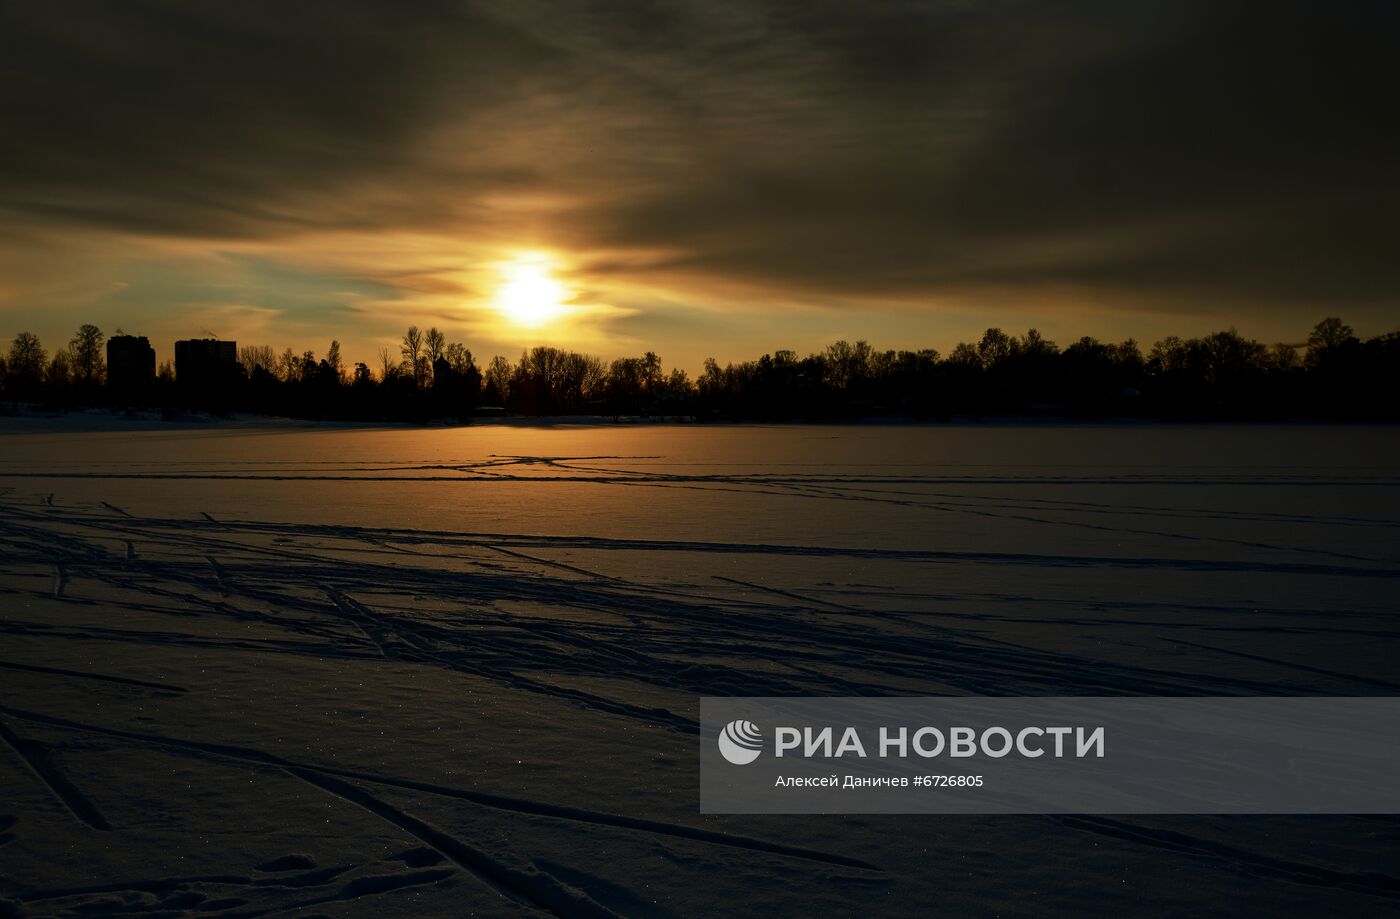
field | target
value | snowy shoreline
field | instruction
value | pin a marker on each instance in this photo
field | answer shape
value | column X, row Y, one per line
column 100, row 421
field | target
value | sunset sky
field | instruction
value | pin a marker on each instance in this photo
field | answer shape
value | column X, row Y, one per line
column 696, row 178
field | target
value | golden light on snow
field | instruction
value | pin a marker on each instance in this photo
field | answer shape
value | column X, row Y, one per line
column 529, row 295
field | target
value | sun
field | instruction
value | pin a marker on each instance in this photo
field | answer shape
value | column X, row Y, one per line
column 529, row 296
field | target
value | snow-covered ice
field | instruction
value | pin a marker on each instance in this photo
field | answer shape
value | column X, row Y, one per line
column 261, row 668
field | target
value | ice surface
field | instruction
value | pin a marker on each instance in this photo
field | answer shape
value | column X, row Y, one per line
column 257, row 667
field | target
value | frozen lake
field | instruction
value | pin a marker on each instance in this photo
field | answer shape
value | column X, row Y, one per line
column 366, row 672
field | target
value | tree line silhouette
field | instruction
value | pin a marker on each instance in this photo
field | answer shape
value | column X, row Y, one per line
column 1223, row 376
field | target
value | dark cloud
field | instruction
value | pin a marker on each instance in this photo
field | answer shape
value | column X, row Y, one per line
column 244, row 118
column 1238, row 154
column 1133, row 151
